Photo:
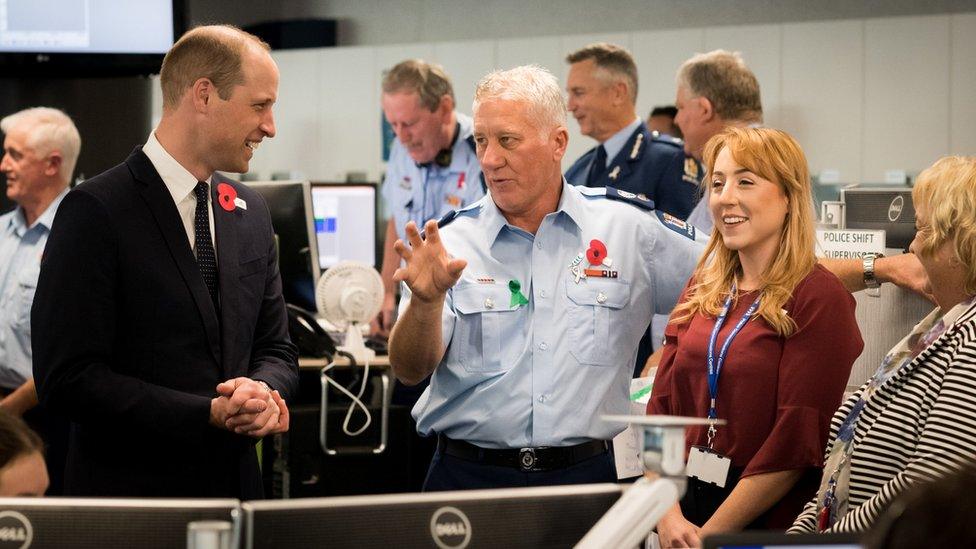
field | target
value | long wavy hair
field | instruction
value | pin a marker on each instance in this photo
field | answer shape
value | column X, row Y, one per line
column 777, row 157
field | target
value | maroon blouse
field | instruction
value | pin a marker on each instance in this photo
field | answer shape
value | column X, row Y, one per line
column 777, row 394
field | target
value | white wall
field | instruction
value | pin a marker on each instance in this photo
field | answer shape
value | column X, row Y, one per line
column 861, row 95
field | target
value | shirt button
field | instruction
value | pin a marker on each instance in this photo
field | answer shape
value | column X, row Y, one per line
column 542, row 293
column 538, row 245
column 601, row 297
column 489, row 303
column 542, row 398
column 543, row 345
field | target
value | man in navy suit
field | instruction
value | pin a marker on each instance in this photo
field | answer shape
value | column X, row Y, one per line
column 158, row 323
column 602, row 86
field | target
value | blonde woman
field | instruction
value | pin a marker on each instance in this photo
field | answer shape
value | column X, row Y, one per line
column 915, row 419
column 762, row 337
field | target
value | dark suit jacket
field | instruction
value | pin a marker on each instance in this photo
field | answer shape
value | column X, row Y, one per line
column 656, row 167
column 128, row 346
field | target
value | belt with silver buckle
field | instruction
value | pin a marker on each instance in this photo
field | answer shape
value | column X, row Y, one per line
column 543, row 458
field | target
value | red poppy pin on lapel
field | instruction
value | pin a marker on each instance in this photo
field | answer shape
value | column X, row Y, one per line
column 227, row 197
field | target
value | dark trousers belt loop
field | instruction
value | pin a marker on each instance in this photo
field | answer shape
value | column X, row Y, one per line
column 544, row 458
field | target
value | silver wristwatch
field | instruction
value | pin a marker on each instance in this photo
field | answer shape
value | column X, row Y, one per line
column 870, row 281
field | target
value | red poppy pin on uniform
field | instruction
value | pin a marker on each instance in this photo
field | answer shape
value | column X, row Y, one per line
column 597, row 252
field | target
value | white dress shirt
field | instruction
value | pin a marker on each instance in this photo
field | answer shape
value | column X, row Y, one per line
column 180, row 183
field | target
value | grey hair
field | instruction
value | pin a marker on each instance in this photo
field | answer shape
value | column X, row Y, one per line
column 48, row 130
column 723, row 78
column 531, row 84
column 428, row 80
column 614, row 63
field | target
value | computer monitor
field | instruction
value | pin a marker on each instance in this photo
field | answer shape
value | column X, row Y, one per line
column 290, row 203
column 345, row 222
column 87, row 38
column 556, row 516
column 888, row 208
column 41, row 523
column 780, row 540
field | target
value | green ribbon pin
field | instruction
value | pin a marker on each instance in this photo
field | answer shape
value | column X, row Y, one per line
column 518, row 299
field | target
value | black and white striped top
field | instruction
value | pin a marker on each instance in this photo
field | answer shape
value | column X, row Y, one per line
column 921, row 424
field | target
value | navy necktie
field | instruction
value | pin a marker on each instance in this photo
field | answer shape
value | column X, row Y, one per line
column 596, row 168
column 206, row 258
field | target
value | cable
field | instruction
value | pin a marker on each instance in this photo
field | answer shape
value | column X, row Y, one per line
column 356, row 399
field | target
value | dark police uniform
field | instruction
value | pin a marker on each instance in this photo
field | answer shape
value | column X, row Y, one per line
column 649, row 164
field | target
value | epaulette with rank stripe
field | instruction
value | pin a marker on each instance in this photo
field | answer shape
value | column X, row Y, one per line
column 683, row 228
column 639, row 200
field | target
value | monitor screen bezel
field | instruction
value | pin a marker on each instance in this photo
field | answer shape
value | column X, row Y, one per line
column 448, row 498
column 112, row 505
column 48, row 64
column 762, row 538
column 378, row 233
column 309, row 222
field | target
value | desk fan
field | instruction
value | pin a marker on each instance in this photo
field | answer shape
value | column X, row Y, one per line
column 349, row 295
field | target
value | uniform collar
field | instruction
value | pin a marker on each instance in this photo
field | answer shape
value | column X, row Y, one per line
column 616, row 143
column 17, row 221
column 459, row 160
column 47, row 218
column 570, row 204
column 178, row 180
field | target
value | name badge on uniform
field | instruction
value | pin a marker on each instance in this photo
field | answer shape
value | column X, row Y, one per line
column 708, row 466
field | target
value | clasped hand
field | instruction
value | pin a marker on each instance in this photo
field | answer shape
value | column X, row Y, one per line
column 428, row 271
column 246, row 407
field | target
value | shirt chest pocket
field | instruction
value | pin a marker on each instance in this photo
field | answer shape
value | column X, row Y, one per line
column 593, row 305
column 483, row 312
column 23, row 298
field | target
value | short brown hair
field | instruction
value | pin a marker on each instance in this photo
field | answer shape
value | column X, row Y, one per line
column 214, row 52
column 427, row 80
column 16, row 439
column 612, row 58
column 723, row 78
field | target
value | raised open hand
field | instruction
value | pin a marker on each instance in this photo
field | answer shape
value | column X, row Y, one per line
column 428, row 271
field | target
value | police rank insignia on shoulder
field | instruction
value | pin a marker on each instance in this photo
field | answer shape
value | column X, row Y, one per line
column 681, row 227
column 639, row 200
column 691, row 171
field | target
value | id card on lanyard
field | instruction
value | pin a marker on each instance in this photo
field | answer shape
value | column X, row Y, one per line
column 704, row 463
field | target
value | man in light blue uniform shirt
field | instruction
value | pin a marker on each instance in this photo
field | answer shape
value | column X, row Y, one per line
column 541, row 292
column 40, row 149
column 432, row 168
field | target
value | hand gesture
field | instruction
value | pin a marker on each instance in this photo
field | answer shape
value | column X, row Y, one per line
column 429, row 271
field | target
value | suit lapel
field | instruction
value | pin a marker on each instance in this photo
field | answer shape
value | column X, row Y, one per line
column 160, row 203
column 226, row 227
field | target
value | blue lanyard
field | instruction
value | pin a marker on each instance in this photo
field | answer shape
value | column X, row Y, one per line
column 715, row 367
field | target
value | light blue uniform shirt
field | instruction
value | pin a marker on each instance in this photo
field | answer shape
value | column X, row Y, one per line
column 20, row 263
column 420, row 193
column 542, row 374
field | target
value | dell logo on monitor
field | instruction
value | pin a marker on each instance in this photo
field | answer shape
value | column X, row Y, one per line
column 450, row 528
column 895, row 208
column 15, row 530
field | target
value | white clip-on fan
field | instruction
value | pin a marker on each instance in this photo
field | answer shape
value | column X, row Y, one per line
column 349, row 295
